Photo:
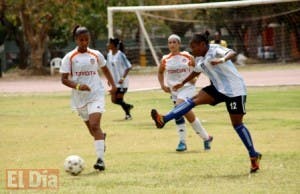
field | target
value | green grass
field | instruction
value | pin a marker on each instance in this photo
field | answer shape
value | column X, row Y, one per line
column 40, row 131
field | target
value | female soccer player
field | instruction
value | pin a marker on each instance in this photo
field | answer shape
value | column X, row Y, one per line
column 226, row 86
column 119, row 67
column 80, row 72
column 177, row 66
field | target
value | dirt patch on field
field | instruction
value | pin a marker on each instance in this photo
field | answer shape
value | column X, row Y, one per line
column 13, row 83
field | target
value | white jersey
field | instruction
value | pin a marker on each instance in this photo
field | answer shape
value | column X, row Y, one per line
column 117, row 64
column 224, row 76
column 83, row 68
column 177, row 68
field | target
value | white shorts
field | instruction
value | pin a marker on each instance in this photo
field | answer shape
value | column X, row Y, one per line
column 183, row 93
column 92, row 107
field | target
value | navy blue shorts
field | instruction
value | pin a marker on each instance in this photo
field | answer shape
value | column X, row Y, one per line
column 235, row 105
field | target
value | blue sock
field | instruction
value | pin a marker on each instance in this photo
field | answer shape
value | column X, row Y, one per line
column 245, row 136
column 179, row 110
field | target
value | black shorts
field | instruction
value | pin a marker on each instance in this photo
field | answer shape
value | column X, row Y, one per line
column 235, row 105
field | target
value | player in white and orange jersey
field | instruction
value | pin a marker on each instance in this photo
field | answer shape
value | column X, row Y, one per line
column 80, row 72
column 174, row 68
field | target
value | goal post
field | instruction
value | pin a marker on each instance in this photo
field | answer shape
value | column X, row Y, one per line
column 140, row 10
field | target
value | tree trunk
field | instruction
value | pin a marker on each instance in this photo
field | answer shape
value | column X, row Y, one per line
column 38, row 48
column 23, row 51
column 36, row 29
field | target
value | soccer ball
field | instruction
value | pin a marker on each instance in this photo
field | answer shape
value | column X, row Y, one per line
column 74, row 165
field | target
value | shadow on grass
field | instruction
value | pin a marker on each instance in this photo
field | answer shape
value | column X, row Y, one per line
column 92, row 173
column 227, row 176
column 188, row 152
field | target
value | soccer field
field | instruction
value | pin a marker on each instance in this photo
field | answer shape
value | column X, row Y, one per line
column 38, row 131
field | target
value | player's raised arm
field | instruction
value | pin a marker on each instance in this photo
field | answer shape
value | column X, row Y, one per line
column 228, row 56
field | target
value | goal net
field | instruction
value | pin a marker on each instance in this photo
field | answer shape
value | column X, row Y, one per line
column 261, row 31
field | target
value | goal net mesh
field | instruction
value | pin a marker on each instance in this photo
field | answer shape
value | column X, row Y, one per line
column 262, row 33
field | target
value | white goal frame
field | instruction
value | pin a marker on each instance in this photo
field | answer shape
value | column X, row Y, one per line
column 139, row 9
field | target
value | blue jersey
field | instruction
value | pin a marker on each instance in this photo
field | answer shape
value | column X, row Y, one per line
column 224, row 76
column 117, row 64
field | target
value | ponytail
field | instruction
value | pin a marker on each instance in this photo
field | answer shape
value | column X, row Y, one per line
column 121, row 46
column 74, row 32
column 117, row 43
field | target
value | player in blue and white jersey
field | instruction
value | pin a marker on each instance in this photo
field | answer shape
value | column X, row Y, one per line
column 119, row 67
column 227, row 86
column 79, row 71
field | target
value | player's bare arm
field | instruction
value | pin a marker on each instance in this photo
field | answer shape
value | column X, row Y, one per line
column 193, row 81
column 110, row 80
column 160, row 76
column 124, row 75
column 192, row 76
column 228, row 56
column 67, row 82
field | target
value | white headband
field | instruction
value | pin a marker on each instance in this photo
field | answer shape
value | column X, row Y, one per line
column 174, row 36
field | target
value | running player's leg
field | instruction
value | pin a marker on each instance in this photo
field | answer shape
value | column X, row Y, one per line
column 236, row 109
column 190, row 116
column 201, row 98
column 83, row 113
column 126, row 107
column 119, row 99
column 99, row 137
column 199, row 129
column 181, row 131
column 189, row 92
column 93, row 121
column 196, row 124
column 87, row 123
column 181, row 127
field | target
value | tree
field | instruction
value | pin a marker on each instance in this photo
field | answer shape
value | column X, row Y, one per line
column 13, row 31
column 38, row 25
column 36, row 28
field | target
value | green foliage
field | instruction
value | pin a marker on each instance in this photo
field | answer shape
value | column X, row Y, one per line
column 3, row 34
column 40, row 131
column 65, row 15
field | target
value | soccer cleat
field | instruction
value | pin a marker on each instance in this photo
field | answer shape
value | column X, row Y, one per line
column 159, row 121
column 128, row 117
column 207, row 143
column 181, row 147
column 255, row 163
column 99, row 165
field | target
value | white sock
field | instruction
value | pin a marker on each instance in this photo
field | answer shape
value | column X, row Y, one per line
column 199, row 129
column 181, row 130
column 99, row 145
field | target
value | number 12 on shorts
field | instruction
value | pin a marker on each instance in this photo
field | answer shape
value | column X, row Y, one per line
column 233, row 106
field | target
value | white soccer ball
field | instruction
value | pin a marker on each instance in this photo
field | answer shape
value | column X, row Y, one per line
column 74, row 165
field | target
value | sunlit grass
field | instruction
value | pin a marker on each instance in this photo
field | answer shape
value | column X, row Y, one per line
column 40, row 131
